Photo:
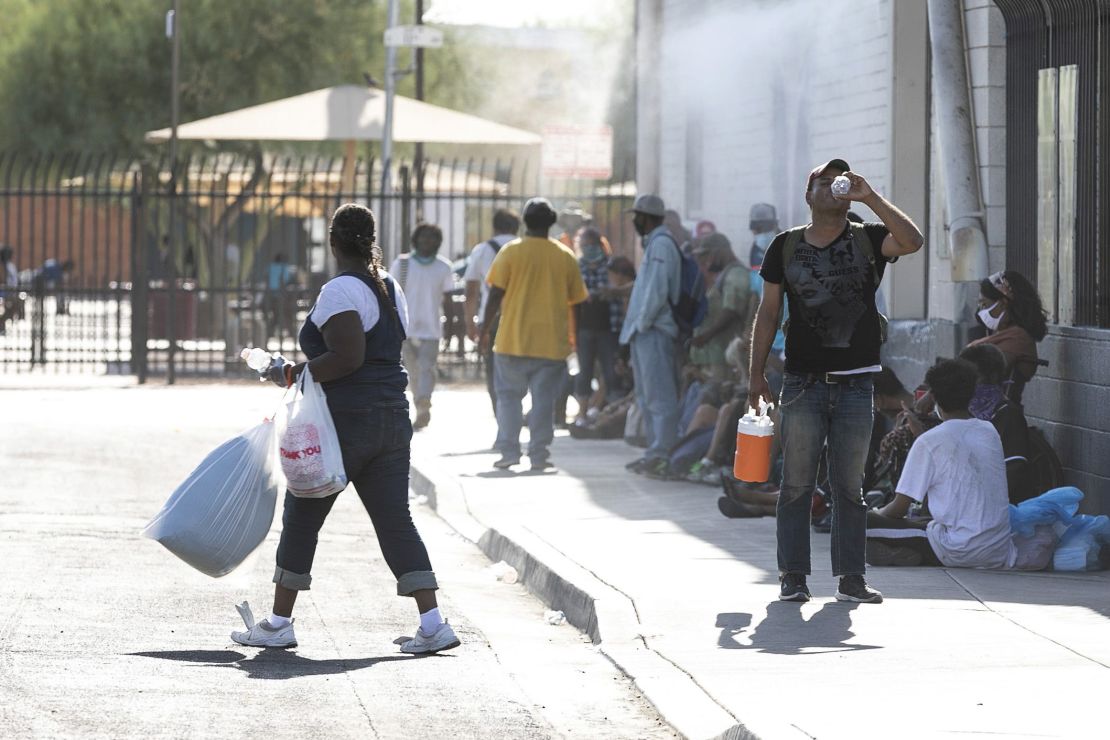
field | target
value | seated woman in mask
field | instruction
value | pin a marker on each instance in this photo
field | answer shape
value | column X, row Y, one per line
column 1011, row 310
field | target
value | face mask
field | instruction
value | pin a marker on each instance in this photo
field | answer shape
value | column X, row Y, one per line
column 592, row 252
column 422, row 259
column 989, row 321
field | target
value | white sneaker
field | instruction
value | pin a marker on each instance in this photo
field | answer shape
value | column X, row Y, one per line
column 261, row 634
column 442, row 639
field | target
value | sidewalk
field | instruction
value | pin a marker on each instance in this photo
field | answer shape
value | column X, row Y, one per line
column 684, row 601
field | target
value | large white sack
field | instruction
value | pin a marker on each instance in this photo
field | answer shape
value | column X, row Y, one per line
column 222, row 511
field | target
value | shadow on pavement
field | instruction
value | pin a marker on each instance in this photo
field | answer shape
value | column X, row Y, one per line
column 271, row 663
column 785, row 632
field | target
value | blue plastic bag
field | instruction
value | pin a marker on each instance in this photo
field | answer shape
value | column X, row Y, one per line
column 1057, row 505
column 1080, row 545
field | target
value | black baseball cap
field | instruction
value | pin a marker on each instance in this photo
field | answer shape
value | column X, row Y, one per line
column 836, row 164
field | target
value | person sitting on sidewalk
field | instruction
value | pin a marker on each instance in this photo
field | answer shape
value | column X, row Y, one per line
column 990, row 404
column 730, row 308
column 830, row 271
column 1011, row 310
column 533, row 283
column 651, row 331
column 959, row 467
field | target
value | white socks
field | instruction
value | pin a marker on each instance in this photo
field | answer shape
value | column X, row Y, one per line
column 430, row 621
column 277, row 622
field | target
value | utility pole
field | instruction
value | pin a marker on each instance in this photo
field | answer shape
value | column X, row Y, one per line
column 172, row 30
column 418, row 159
column 385, row 237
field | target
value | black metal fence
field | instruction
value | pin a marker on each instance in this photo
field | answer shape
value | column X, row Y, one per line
column 114, row 274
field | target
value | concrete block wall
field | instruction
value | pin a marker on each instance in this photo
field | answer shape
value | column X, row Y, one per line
column 1070, row 401
column 775, row 98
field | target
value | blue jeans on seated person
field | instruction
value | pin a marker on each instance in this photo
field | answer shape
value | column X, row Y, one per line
column 816, row 413
column 514, row 377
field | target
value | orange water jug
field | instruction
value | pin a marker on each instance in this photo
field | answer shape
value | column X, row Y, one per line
column 754, row 435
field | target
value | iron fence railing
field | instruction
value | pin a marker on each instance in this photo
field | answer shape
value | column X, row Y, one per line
column 113, row 273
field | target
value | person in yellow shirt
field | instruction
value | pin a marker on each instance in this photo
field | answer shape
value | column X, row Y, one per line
column 533, row 282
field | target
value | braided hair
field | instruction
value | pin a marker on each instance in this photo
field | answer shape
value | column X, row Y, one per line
column 353, row 232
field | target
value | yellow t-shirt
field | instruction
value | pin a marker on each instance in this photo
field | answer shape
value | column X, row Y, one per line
column 541, row 281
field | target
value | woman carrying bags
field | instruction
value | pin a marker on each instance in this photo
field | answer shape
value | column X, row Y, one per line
column 352, row 338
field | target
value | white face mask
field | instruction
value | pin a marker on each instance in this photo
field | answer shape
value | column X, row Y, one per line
column 989, row 321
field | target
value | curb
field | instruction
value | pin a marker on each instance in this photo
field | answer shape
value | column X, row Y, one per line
column 608, row 616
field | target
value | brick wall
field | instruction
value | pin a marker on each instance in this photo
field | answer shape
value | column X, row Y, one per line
column 775, row 98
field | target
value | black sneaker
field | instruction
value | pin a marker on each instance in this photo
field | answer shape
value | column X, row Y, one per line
column 506, row 462
column 734, row 509
column 637, row 465
column 794, row 588
column 854, row 588
column 659, row 469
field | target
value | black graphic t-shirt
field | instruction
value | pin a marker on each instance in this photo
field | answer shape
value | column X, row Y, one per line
column 830, row 291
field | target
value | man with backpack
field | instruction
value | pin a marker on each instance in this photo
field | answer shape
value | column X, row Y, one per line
column 506, row 224
column 829, row 270
column 651, row 329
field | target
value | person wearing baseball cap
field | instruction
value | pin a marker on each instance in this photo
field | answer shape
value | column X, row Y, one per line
column 533, row 283
column 829, row 271
column 651, row 332
column 764, row 225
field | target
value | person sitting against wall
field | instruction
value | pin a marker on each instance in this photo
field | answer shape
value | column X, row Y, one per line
column 958, row 466
column 1011, row 310
column 990, row 404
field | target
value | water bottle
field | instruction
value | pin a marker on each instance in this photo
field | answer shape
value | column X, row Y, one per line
column 840, row 185
column 261, row 361
column 257, row 358
column 754, row 436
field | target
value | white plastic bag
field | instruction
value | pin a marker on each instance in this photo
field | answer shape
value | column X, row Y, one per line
column 223, row 510
column 309, row 447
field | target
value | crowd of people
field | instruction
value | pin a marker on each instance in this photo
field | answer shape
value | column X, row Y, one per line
column 671, row 355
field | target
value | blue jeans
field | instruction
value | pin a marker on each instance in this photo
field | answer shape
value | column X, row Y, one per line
column 601, row 346
column 653, row 363
column 375, row 445
column 513, row 377
column 815, row 413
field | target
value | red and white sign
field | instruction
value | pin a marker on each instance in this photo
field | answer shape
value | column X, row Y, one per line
column 578, row 152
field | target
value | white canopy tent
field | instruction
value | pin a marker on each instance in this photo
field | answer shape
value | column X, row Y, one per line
column 348, row 113
column 353, row 113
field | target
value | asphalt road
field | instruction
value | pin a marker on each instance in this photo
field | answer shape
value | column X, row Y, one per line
column 105, row 633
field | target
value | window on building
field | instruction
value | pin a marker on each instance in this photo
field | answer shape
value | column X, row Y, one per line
column 1057, row 121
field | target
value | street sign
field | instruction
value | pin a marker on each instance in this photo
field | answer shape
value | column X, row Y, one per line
column 423, row 36
column 577, row 152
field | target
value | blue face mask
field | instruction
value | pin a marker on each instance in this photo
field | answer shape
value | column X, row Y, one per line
column 592, row 253
column 423, row 260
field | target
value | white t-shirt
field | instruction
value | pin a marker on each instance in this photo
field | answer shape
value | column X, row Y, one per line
column 424, row 287
column 348, row 293
column 960, row 466
column 477, row 267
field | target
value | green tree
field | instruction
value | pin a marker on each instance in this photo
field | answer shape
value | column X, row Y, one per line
column 95, row 76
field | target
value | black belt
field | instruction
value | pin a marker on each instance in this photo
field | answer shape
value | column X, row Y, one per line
column 832, row 378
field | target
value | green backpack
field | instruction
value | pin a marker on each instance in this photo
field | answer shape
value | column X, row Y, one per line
column 859, row 235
